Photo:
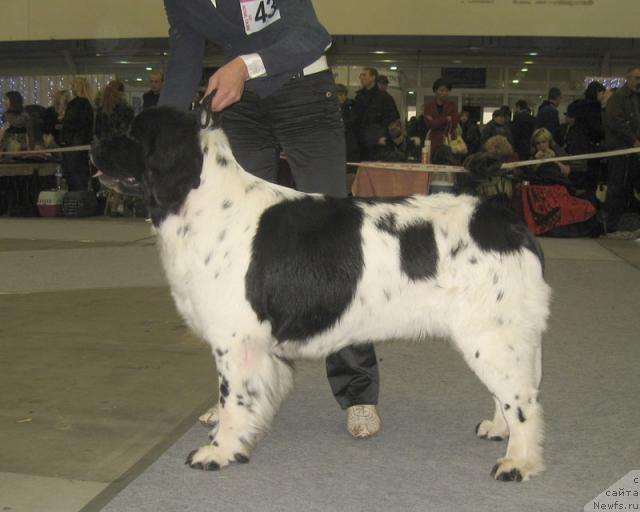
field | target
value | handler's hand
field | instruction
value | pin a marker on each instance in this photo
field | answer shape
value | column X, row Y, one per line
column 228, row 82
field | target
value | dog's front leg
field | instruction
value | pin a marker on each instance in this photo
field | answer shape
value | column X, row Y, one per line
column 253, row 382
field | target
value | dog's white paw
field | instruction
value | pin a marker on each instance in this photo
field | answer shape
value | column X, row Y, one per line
column 487, row 429
column 513, row 470
column 213, row 458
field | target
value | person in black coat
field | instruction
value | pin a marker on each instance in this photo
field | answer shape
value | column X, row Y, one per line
column 77, row 130
column 497, row 126
column 586, row 133
column 350, row 120
column 375, row 110
column 548, row 116
column 397, row 146
column 54, row 115
column 114, row 115
column 470, row 131
column 522, row 128
column 151, row 97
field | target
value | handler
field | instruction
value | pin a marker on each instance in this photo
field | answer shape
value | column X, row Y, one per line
column 276, row 92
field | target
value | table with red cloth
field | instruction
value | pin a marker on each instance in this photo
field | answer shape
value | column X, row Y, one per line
column 396, row 179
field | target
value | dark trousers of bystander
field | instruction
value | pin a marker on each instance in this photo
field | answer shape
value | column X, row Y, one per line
column 303, row 119
column 623, row 175
column 75, row 167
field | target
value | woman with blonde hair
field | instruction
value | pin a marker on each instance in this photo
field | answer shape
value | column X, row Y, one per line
column 53, row 116
column 544, row 146
column 114, row 115
column 77, row 130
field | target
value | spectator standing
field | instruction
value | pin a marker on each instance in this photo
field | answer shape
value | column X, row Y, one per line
column 77, row 130
column 586, row 135
column 440, row 115
column 622, row 131
column 375, row 111
column 114, row 115
column 16, row 133
column 548, row 116
column 497, row 126
column 383, row 85
column 470, row 131
column 350, row 121
column 417, row 127
column 522, row 128
column 54, row 115
column 151, row 97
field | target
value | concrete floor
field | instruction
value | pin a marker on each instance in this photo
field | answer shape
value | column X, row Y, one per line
column 98, row 374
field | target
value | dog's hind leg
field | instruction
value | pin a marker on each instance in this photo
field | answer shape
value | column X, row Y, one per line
column 509, row 365
column 253, row 383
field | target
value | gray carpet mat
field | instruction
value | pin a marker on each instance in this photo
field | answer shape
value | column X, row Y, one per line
column 427, row 457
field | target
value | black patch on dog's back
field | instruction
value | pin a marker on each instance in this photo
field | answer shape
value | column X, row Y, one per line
column 418, row 251
column 305, row 265
column 496, row 228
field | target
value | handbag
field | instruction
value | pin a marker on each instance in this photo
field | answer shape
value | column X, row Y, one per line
column 458, row 145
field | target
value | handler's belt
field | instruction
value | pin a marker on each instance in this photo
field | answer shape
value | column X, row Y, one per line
column 316, row 66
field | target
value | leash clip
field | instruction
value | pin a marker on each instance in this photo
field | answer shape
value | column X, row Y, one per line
column 208, row 117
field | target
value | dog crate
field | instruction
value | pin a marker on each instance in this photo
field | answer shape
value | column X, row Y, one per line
column 50, row 203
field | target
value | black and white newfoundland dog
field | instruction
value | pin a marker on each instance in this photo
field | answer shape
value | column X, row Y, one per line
column 266, row 275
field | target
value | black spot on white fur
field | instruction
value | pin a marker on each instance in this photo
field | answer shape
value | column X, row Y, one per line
column 227, row 204
column 221, row 160
column 388, row 223
column 304, row 272
column 496, row 228
column 457, row 249
column 521, row 416
column 418, row 251
column 224, row 387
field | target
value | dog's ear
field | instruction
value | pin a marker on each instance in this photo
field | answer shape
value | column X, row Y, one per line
column 119, row 157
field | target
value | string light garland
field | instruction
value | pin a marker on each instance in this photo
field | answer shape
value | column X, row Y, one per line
column 39, row 90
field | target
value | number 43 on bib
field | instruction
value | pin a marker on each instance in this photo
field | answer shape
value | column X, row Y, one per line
column 258, row 14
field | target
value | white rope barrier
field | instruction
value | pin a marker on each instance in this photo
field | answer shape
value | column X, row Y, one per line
column 586, row 156
column 404, row 166
column 411, row 167
column 70, row 149
column 391, row 166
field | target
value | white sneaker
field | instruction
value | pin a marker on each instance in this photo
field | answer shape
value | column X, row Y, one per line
column 210, row 418
column 363, row 421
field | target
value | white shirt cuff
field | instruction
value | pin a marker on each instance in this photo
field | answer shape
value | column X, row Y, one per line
column 254, row 64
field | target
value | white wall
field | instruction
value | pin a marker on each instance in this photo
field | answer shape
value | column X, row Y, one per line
column 94, row 19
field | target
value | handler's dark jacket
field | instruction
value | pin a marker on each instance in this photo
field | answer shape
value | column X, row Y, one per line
column 622, row 119
column 286, row 46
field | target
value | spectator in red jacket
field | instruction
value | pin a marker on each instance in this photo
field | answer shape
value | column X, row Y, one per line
column 441, row 115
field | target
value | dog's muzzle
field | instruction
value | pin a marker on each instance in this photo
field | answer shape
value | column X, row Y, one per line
column 124, row 186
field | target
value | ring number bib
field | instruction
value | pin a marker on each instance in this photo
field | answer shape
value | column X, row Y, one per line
column 258, row 14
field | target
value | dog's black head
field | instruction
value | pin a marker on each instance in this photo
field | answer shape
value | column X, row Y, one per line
column 160, row 157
